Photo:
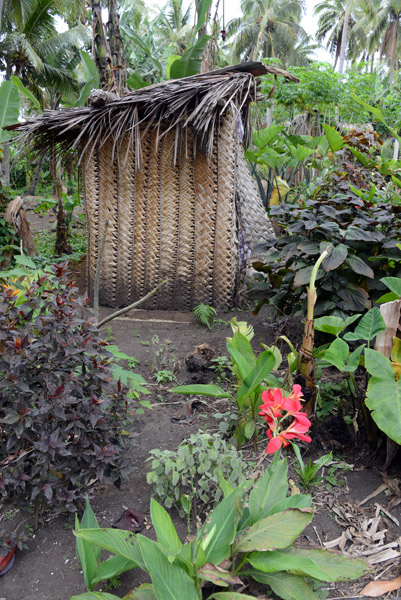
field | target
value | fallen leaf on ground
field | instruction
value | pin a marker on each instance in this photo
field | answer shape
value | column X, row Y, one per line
column 374, row 589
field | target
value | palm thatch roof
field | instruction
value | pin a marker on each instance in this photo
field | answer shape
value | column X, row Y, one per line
column 193, row 104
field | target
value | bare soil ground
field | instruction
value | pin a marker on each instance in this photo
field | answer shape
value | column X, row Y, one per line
column 49, row 569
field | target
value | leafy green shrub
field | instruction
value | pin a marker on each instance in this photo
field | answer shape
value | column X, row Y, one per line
column 364, row 240
column 62, row 416
column 192, row 473
column 249, row 535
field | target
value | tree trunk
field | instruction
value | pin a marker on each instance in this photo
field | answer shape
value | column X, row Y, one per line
column 344, row 39
column 394, row 38
column 100, row 47
column 61, row 245
column 115, row 42
column 36, row 176
column 5, row 167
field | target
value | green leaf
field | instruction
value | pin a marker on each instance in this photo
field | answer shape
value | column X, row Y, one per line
column 335, row 258
column 201, row 11
column 396, row 181
column 337, row 354
column 264, row 365
column 170, row 582
column 394, row 284
column 190, row 62
column 359, row 266
column 21, row 259
column 295, row 501
column 383, row 396
column 276, row 531
column 116, row 541
column 136, row 81
column 285, row 585
column 112, row 567
column 142, row 44
column 334, row 325
column 164, row 528
column 88, row 554
column 23, row 90
column 9, row 108
column 269, row 490
column 143, row 592
column 222, row 522
column 201, row 390
column 377, row 113
column 368, row 327
column 360, row 156
column 318, row 564
column 336, row 141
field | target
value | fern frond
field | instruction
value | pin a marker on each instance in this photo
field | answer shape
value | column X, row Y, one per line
column 205, row 314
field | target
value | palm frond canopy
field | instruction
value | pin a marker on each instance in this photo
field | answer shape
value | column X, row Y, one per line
column 195, row 103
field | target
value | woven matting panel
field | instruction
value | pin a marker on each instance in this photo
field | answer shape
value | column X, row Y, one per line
column 170, row 220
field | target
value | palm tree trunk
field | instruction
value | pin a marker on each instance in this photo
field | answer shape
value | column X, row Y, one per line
column 5, row 166
column 394, row 38
column 115, row 42
column 344, row 38
column 31, row 191
column 100, row 49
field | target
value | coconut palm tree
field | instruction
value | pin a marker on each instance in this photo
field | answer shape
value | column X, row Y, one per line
column 29, row 41
column 268, row 28
column 337, row 21
column 383, row 21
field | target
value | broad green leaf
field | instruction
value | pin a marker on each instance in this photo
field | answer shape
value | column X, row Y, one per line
column 164, row 528
column 337, row 353
column 319, row 564
column 95, row 596
column 9, row 108
column 396, row 181
column 143, row 592
column 295, row 501
column 240, row 366
column 85, row 91
column 190, row 62
column 226, row 487
column 359, row 266
column 170, row 582
column 335, row 140
column 222, row 526
column 136, row 81
column 112, row 567
column 23, row 90
column 285, row 585
column 335, row 258
column 360, row 156
column 276, row 531
column 88, row 554
column 383, row 396
column 264, row 365
column 116, row 541
column 368, row 327
column 21, row 259
column 202, row 8
column 334, row 325
column 389, row 297
column 269, row 490
column 199, row 389
column 394, row 284
column 90, row 68
column 241, row 343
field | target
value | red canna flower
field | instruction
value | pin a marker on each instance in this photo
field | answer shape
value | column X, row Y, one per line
column 276, row 409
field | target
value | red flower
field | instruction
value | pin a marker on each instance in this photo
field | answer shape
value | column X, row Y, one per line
column 297, row 429
column 276, row 409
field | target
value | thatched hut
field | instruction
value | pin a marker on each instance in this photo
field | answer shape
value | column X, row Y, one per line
column 165, row 167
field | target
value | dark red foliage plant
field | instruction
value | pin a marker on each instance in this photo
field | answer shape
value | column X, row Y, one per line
column 63, row 419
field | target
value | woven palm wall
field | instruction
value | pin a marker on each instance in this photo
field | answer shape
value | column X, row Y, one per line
column 189, row 221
